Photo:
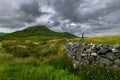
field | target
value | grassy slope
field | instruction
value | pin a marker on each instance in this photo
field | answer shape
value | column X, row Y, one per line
column 47, row 60
column 1, row 34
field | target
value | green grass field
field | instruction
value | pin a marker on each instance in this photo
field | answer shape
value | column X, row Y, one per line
column 48, row 60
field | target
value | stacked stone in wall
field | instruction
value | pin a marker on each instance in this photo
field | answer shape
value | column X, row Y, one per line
column 102, row 55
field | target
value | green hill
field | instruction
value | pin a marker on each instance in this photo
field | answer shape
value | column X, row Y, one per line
column 37, row 33
column 1, row 34
column 37, row 53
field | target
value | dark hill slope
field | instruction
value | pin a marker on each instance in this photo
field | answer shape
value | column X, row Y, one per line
column 1, row 34
column 36, row 33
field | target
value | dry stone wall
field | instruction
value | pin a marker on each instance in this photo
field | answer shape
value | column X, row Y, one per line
column 102, row 55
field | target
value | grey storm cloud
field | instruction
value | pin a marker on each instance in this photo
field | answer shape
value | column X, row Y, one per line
column 67, row 9
column 91, row 14
column 25, row 13
column 70, row 10
column 94, row 17
column 29, row 11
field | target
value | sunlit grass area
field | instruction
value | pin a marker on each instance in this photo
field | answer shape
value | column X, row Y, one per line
column 101, row 40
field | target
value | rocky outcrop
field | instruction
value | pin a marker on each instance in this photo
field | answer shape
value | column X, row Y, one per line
column 102, row 55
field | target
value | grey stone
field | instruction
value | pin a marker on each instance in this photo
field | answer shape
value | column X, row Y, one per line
column 93, row 46
column 88, row 51
column 103, row 55
column 105, row 46
column 75, row 63
column 84, row 54
column 110, row 56
column 117, row 55
column 105, row 62
column 84, row 63
column 93, row 54
column 114, row 50
column 91, row 59
column 104, row 51
column 118, row 48
column 117, row 62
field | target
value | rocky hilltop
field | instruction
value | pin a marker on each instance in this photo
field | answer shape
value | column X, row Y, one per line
column 102, row 55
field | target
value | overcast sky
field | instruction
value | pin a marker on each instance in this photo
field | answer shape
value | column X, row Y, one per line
column 94, row 17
